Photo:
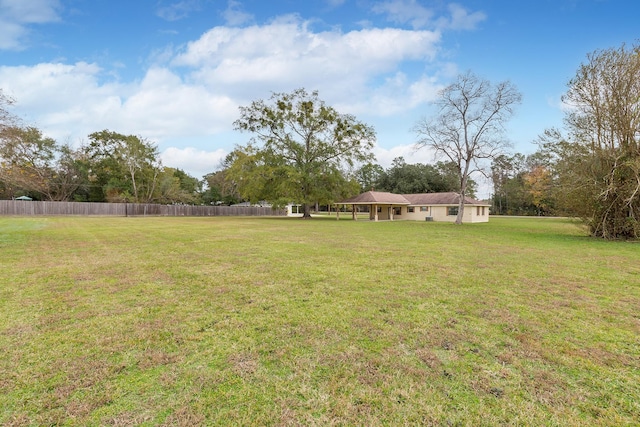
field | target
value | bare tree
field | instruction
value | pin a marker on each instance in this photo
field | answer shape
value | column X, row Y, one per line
column 469, row 126
column 6, row 118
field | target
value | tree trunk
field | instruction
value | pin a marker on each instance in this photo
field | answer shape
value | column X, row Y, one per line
column 307, row 211
column 463, row 191
column 133, row 183
column 460, row 210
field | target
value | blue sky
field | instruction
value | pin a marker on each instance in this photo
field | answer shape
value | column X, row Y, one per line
column 175, row 72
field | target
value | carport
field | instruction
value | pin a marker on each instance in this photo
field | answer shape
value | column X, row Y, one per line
column 376, row 200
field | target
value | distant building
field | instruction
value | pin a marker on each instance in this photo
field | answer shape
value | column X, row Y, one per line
column 418, row 207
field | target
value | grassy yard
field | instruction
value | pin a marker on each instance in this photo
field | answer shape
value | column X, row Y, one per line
column 279, row 321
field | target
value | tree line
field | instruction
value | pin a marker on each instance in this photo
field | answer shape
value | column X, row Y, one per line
column 113, row 167
column 415, row 178
column 591, row 168
column 110, row 167
column 522, row 185
column 304, row 151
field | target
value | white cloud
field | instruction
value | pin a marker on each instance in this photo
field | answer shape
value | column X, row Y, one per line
column 195, row 162
column 178, row 10
column 461, row 19
column 411, row 155
column 396, row 95
column 405, row 12
column 229, row 50
column 16, row 16
column 191, row 98
column 11, row 34
column 68, row 101
column 31, row 11
column 411, row 12
column 49, row 92
column 286, row 54
column 234, row 15
column 165, row 106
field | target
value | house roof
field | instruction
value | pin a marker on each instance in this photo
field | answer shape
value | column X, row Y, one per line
column 440, row 199
column 383, row 198
column 376, row 197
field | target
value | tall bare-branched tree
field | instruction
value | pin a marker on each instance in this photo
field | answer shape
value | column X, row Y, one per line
column 6, row 118
column 469, row 127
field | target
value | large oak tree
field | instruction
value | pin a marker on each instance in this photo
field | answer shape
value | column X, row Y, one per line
column 122, row 168
column 300, row 151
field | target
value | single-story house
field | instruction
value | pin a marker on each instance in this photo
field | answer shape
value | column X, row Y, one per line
column 420, row 207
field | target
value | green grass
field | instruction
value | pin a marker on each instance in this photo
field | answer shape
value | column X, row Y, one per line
column 278, row 321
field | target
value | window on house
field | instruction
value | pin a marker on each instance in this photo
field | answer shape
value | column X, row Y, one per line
column 483, row 210
column 452, row 210
column 424, row 208
column 478, row 210
column 410, row 209
column 397, row 211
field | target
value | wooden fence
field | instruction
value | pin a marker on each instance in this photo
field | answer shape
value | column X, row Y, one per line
column 28, row 208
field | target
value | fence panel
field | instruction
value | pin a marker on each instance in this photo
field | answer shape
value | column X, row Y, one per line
column 32, row 208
